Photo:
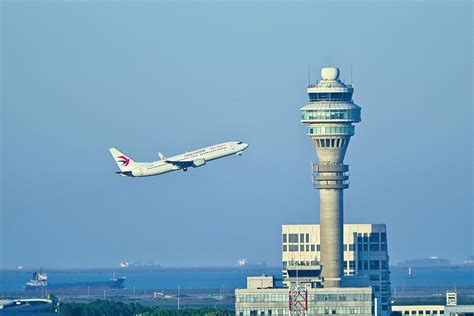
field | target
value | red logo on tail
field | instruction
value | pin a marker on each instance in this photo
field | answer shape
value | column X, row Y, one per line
column 124, row 160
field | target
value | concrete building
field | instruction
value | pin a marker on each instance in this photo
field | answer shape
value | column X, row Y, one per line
column 330, row 115
column 365, row 256
column 419, row 310
column 450, row 309
column 254, row 301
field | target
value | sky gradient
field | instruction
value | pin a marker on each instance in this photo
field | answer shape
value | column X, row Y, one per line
column 80, row 77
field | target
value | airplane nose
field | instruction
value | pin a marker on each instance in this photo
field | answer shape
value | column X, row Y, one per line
column 245, row 145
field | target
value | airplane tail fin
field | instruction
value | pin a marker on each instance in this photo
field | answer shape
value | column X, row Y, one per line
column 162, row 157
column 124, row 162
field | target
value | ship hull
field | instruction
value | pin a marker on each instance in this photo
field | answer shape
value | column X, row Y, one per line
column 80, row 286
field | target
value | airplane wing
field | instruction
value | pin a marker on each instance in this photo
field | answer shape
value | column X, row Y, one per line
column 182, row 164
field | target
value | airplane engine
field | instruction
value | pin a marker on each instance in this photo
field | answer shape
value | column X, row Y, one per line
column 199, row 162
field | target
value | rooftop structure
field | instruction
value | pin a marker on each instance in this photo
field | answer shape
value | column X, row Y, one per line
column 305, row 301
column 330, row 115
column 450, row 309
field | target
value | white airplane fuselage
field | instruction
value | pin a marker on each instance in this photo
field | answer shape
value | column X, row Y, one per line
column 195, row 158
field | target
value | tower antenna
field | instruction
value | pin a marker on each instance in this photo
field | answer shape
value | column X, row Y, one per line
column 309, row 75
column 351, row 74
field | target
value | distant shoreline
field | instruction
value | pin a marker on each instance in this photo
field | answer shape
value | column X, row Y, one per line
column 205, row 268
column 140, row 268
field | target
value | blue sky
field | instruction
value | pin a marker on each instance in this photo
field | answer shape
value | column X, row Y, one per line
column 80, row 77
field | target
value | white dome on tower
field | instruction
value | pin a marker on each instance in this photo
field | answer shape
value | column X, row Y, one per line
column 329, row 73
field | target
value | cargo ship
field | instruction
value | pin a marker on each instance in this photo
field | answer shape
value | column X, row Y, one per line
column 40, row 282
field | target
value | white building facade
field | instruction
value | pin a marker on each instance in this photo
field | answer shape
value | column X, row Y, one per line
column 365, row 255
column 261, row 298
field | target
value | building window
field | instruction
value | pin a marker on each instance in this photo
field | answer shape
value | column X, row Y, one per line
column 352, row 264
column 383, row 237
column 284, row 237
column 345, row 247
column 313, row 248
column 384, row 264
column 307, row 237
column 374, row 237
column 301, row 238
column 351, row 247
column 301, row 247
column 318, row 247
column 293, row 237
column 307, row 247
column 374, row 247
column 374, row 277
column 360, row 265
column 383, row 247
column 284, row 248
column 374, row 265
column 293, row 248
column 366, row 265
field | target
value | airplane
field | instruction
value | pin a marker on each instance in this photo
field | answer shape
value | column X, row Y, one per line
column 195, row 158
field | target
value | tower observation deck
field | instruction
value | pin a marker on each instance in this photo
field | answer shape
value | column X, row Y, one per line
column 330, row 115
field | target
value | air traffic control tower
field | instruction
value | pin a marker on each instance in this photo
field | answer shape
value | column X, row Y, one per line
column 330, row 115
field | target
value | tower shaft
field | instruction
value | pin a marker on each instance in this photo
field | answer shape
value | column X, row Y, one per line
column 329, row 179
column 331, row 219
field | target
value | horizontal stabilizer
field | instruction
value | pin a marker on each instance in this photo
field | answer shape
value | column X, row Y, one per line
column 125, row 173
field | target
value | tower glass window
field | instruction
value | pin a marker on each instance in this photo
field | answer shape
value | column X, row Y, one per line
column 328, row 96
column 331, row 114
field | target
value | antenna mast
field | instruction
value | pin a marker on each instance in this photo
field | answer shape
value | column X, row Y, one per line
column 309, row 75
column 351, row 74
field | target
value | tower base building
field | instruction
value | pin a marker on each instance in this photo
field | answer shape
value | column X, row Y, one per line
column 365, row 257
column 256, row 301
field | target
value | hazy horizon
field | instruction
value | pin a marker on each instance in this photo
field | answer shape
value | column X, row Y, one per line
column 148, row 77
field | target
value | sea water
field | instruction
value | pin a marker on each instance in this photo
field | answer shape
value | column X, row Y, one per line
column 223, row 278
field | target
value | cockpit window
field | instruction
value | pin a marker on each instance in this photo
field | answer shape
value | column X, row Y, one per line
column 239, row 143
